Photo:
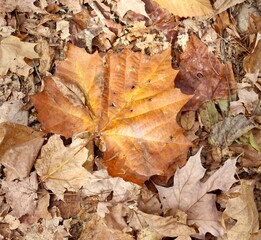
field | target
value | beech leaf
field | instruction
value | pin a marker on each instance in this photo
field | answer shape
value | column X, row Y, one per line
column 192, row 196
column 130, row 105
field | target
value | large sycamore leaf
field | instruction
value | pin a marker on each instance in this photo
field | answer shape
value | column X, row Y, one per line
column 129, row 102
column 192, row 196
column 187, row 8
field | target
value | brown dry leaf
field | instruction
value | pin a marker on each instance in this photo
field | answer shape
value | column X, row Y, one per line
column 60, row 167
column 252, row 62
column 123, row 218
column 202, row 74
column 22, row 195
column 243, row 209
column 73, row 5
column 19, row 147
column 49, row 229
column 11, row 111
column 100, row 183
column 96, row 229
column 21, row 6
column 191, row 196
column 187, row 8
column 137, row 6
column 12, row 55
column 130, row 104
column 223, row 5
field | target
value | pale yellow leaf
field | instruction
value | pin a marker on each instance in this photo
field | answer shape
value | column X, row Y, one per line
column 60, row 167
column 187, row 8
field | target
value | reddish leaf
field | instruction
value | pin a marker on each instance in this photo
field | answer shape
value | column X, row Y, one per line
column 202, row 74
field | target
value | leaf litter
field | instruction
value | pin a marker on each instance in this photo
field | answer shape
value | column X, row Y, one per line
column 80, row 182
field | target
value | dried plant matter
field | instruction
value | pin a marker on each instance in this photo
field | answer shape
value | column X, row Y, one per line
column 128, row 101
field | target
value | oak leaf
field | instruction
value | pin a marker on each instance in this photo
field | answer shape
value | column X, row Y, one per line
column 190, row 195
column 128, row 101
column 203, row 75
column 187, row 8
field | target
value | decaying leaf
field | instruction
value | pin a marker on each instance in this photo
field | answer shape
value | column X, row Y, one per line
column 202, row 74
column 208, row 114
column 22, row 6
column 123, row 218
column 22, row 195
column 192, row 196
column 242, row 209
column 131, row 106
column 60, row 167
column 187, row 8
column 224, row 133
column 49, row 229
column 12, row 54
column 19, row 146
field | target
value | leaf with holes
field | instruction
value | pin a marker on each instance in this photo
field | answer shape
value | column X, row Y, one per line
column 127, row 101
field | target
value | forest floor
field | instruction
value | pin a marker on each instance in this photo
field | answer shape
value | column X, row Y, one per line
column 130, row 119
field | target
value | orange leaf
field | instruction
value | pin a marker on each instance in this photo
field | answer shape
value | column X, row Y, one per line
column 131, row 106
column 187, row 8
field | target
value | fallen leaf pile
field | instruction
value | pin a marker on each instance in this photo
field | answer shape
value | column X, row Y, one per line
column 130, row 119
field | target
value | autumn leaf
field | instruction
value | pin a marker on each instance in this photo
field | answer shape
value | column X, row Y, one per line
column 21, row 195
column 187, row 8
column 243, row 209
column 12, row 54
column 19, row 147
column 192, row 196
column 202, row 74
column 130, row 104
column 60, row 167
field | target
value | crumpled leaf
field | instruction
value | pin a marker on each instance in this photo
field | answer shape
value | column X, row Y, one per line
column 137, row 6
column 123, row 218
column 11, row 111
column 12, row 54
column 22, row 195
column 131, row 106
column 224, row 133
column 243, row 209
column 96, row 229
column 192, row 196
column 21, row 6
column 187, row 8
column 60, row 167
column 202, row 74
column 49, row 229
column 100, row 183
column 19, row 147
column 223, row 5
